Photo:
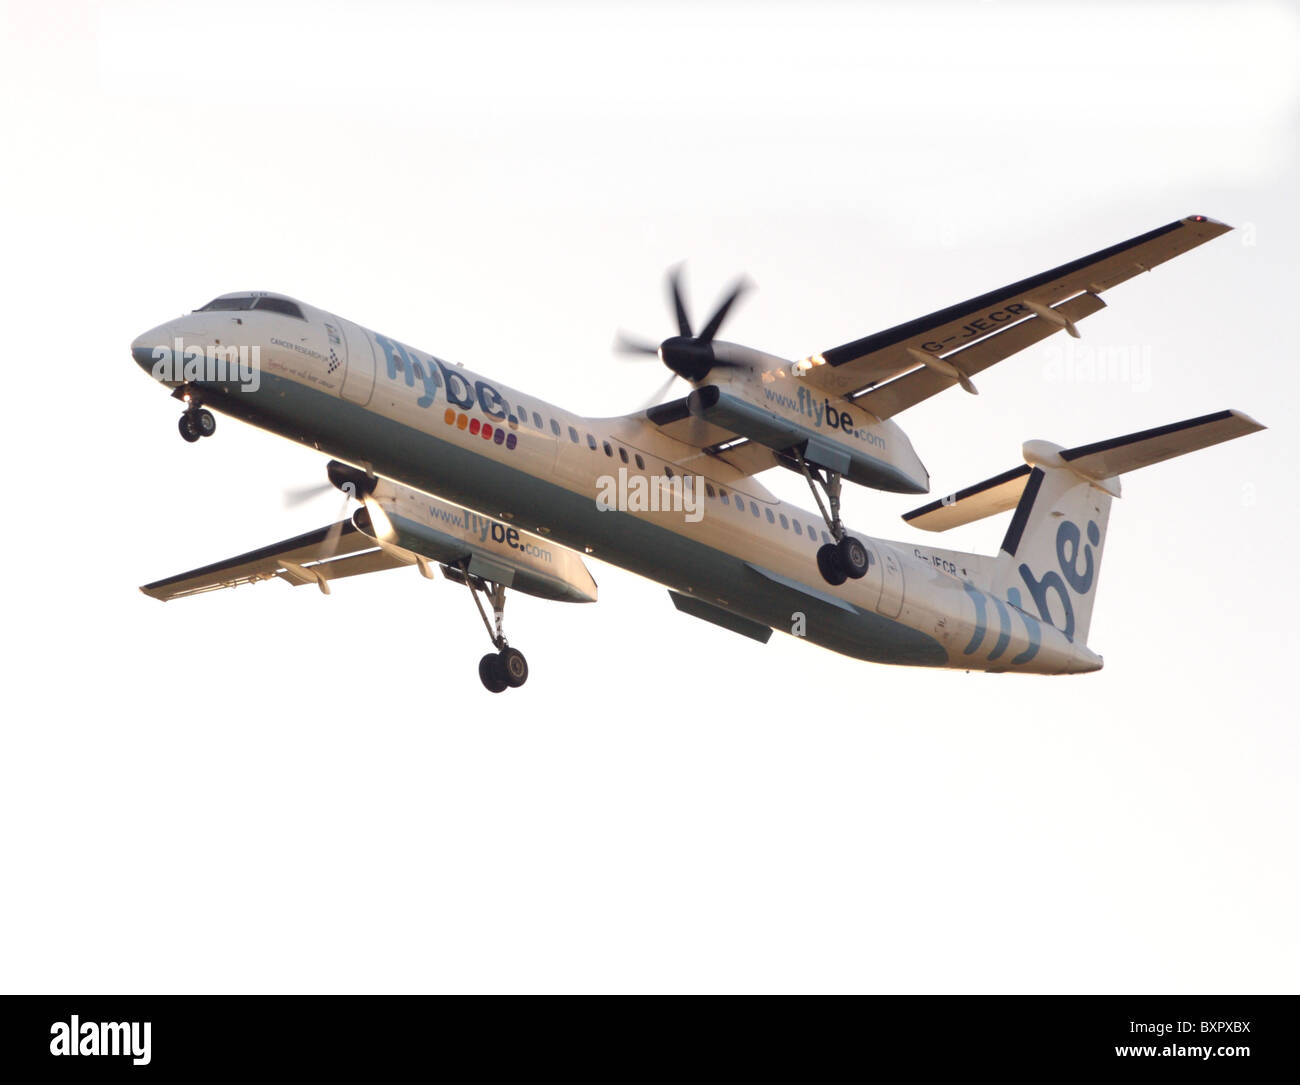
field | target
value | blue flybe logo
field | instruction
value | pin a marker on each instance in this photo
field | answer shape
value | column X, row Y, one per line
column 824, row 414
column 1076, row 566
column 433, row 373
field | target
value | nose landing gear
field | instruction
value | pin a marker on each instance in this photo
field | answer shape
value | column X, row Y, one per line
column 506, row 668
column 196, row 422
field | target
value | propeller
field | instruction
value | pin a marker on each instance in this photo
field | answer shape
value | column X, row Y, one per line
column 659, row 393
column 688, row 355
column 354, row 484
column 331, row 540
column 302, row 494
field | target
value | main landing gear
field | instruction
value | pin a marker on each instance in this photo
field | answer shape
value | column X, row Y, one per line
column 845, row 558
column 506, row 668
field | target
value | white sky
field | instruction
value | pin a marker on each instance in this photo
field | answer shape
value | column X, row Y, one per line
column 271, row 790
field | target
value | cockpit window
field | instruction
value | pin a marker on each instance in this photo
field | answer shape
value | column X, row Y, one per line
column 280, row 305
column 252, row 301
column 228, row 304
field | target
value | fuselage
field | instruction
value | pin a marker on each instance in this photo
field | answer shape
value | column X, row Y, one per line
column 409, row 416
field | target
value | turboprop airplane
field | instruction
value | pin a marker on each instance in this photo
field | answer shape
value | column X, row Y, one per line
column 503, row 490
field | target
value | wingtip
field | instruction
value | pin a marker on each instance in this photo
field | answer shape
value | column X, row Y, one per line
column 1254, row 424
column 1205, row 220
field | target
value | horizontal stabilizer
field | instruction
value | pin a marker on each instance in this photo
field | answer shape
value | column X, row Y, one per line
column 993, row 495
column 1106, row 459
column 1096, row 463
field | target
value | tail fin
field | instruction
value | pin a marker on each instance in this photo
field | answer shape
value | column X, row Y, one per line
column 1051, row 554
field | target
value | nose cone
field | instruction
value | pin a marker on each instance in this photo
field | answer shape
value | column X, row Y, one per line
column 152, row 347
column 688, row 358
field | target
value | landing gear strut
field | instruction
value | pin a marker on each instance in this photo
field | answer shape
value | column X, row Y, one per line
column 845, row 558
column 506, row 668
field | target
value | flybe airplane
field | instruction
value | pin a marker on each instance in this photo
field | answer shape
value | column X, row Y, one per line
column 503, row 491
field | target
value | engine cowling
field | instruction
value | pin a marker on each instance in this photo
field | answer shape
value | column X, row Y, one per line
column 832, row 433
column 415, row 524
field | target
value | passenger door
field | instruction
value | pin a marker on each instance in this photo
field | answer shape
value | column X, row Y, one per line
column 354, row 350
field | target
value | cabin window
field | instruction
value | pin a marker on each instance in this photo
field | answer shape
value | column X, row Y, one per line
column 770, row 518
column 785, row 524
column 591, row 442
column 723, row 494
column 555, row 427
column 740, row 503
column 573, row 435
column 797, row 529
column 537, row 420
column 668, row 471
column 708, row 489
column 609, row 450
column 753, row 507
column 640, row 463
column 622, row 453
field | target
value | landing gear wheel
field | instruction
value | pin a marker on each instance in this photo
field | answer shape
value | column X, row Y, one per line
column 492, row 673
column 189, row 428
column 514, row 666
column 506, row 668
column 205, row 423
column 854, row 558
column 846, row 556
column 831, row 565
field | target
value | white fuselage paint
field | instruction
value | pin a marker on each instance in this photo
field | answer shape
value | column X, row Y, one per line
column 941, row 595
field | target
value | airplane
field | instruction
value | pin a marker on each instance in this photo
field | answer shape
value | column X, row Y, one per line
column 503, row 490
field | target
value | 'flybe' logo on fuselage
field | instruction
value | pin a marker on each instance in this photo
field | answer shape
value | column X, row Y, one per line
column 432, row 374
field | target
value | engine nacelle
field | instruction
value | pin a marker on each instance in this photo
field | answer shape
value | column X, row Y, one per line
column 834, row 434
column 351, row 480
column 414, row 524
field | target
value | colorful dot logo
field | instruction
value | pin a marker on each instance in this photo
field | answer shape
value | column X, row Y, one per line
column 476, row 428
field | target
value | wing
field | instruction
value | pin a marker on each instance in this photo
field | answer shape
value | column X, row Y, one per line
column 715, row 442
column 314, row 558
column 895, row 369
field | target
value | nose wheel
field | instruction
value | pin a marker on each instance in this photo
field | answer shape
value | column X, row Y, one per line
column 845, row 558
column 506, row 668
column 195, row 423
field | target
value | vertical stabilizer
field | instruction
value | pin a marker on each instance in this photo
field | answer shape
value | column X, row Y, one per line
column 1050, row 558
column 1051, row 555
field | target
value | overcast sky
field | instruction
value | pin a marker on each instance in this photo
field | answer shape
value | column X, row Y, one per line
column 272, row 790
